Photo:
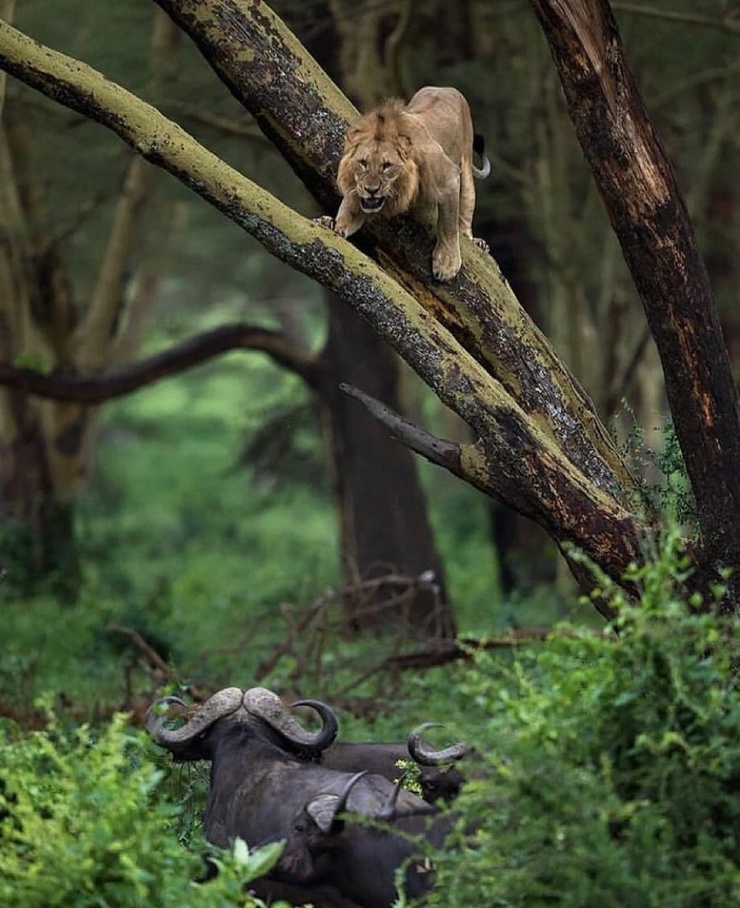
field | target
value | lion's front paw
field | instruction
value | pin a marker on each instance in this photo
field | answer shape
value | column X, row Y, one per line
column 326, row 221
column 482, row 244
column 445, row 263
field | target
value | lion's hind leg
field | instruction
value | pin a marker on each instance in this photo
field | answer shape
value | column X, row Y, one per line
column 446, row 258
column 467, row 200
column 467, row 207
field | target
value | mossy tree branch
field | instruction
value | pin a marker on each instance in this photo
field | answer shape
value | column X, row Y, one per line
column 540, row 447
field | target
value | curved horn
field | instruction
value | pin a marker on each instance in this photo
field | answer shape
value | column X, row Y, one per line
column 268, row 706
column 156, row 712
column 329, row 724
column 425, row 757
column 337, row 825
column 222, row 703
column 388, row 810
column 323, row 809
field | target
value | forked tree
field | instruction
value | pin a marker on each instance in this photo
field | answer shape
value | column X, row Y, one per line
column 538, row 443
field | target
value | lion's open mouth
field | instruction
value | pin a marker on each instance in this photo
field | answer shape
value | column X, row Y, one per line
column 370, row 206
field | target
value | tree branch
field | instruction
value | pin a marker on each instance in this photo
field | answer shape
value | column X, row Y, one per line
column 193, row 352
column 443, row 453
column 542, row 449
column 286, row 91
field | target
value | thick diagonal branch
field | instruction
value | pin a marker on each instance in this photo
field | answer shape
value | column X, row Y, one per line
column 300, row 110
column 521, row 460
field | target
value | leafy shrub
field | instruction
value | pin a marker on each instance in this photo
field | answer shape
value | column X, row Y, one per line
column 610, row 773
column 82, row 823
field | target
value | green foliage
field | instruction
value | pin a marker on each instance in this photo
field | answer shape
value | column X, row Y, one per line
column 665, row 489
column 83, row 822
column 675, row 494
column 612, row 764
column 410, row 775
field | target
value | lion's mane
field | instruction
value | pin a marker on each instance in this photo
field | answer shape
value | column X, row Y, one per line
column 382, row 135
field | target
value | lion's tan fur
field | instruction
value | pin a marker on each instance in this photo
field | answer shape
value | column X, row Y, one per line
column 416, row 157
column 380, row 135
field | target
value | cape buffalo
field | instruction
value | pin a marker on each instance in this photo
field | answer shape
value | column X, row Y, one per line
column 335, row 840
column 265, row 787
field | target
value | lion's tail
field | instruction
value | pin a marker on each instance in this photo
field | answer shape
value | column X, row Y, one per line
column 479, row 147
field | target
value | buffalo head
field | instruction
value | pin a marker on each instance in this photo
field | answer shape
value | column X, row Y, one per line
column 357, row 839
column 258, row 710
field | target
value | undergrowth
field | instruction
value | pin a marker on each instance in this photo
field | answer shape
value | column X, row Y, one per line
column 608, row 769
column 83, row 822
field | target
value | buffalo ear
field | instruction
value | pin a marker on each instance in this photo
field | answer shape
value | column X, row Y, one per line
column 322, row 811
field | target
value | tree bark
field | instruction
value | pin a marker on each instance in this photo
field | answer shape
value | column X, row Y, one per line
column 540, row 447
column 648, row 214
column 384, row 525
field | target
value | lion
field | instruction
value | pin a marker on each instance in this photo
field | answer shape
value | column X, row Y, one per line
column 416, row 157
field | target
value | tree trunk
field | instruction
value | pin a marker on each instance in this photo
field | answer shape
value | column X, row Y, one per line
column 383, row 516
column 648, row 214
column 46, row 445
column 539, row 445
column 384, row 525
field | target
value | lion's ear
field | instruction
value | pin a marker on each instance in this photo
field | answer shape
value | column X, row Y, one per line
column 404, row 143
column 352, row 136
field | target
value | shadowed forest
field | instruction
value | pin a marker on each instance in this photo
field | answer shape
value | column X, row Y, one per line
column 237, row 449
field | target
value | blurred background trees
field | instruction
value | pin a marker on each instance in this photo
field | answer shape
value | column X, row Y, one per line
column 242, row 487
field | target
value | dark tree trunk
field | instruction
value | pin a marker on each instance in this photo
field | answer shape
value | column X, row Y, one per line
column 539, row 445
column 38, row 547
column 384, row 527
column 527, row 556
column 647, row 211
column 381, row 505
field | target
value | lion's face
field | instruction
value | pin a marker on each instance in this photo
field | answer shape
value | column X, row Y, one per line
column 380, row 174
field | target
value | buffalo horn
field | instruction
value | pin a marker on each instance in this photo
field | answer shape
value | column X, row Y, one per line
column 222, row 703
column 267, row 706
column 388, row 810
column 324, row 809
column 329, row 724
column 425, row 757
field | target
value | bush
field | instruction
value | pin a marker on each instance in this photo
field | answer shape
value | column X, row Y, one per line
column 611, row 768
column 82, row 823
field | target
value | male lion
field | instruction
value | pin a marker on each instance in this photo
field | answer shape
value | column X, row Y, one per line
column 419, row 158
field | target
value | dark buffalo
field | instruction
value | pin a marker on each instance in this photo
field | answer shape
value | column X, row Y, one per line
column 265, row 788
column 333, row 842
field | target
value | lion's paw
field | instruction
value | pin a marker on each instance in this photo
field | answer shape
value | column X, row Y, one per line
column 326, row 221
column 445, row 264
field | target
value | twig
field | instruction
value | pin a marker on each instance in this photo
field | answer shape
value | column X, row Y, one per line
column 152, row 656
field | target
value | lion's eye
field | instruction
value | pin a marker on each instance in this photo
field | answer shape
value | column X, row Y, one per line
column 386, row 165
column 362, row 163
